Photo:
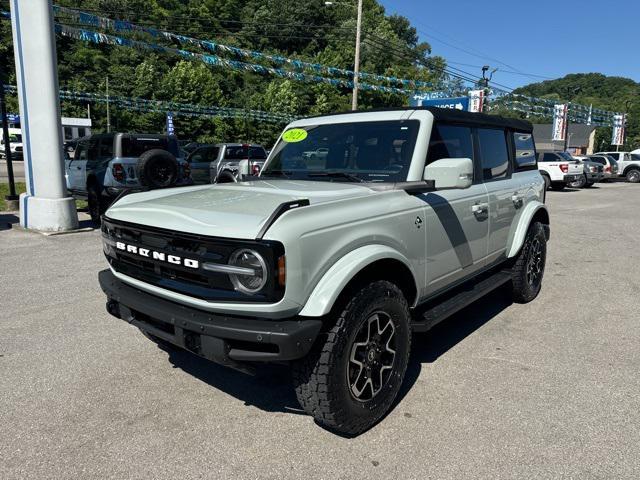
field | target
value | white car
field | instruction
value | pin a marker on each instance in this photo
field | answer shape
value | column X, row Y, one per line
column 15, row 144
column 628, row 164
column 559, row 169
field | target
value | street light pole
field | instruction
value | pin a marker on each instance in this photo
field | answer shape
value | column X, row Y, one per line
column 12, row 197
column 356, row 63
column 108, row 115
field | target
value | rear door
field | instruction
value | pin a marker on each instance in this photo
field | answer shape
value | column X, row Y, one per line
column 457, row 221
column 505, row 196
column 200, row 161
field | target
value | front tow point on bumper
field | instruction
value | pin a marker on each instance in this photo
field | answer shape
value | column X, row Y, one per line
column 220, row 338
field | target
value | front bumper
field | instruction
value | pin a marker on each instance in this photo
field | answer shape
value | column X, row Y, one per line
column 228, row 340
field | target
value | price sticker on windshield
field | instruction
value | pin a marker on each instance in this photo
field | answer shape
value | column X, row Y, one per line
column 294, row 135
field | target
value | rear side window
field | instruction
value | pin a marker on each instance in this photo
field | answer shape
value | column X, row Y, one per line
column 549, row 157
column 494, row 153
column 449, row 141
column 241, row 152
column 525, row 151
column 599, row 160
column 106, row 148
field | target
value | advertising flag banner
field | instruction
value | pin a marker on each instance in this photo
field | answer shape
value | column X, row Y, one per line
column 170, row 129
column 457, row 103
column 560, row 113
column 619, row 122
column 476, row 101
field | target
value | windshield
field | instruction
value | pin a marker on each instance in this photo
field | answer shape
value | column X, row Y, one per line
column 566, row 156
column 359, row 151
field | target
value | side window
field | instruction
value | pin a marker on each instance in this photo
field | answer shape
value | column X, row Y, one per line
column 549, row 157
column 105, row 151
column 92, row 154
column 525, row 151
column 68, row 133
column 80, row 152
column 212, row 154
column 449, row 141
column 494, row 153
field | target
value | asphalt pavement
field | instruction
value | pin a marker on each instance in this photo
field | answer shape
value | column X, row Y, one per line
column 499, row 391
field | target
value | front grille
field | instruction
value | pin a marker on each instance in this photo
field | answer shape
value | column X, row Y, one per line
column 194, row 282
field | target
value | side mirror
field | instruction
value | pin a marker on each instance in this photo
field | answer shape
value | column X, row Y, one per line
column 450, row 173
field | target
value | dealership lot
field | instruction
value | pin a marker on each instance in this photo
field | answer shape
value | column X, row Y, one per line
column 544, row 390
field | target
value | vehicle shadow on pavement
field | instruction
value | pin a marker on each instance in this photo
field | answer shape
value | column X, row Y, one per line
column 271, row 388
column 428, row 347
column 7, row 220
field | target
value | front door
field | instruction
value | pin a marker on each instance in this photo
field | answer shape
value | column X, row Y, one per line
column 200, row 162
column 77, row 169
column 457, row 221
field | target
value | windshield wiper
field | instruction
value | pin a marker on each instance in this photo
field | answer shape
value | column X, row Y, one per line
column 346, row 175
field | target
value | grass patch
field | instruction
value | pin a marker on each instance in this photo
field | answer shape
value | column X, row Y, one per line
column 20, row 188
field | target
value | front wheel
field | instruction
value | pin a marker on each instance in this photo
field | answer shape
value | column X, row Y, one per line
column 528, row 269
column 354, row 372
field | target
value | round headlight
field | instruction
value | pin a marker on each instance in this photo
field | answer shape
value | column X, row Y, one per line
column 251, row 260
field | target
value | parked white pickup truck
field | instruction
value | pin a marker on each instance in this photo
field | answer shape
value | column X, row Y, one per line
column 559, row 169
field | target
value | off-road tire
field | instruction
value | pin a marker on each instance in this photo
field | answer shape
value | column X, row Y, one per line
column 321, row 378
column 633, row 175
column 158, row 168
column 523, row 289
column 96, row 204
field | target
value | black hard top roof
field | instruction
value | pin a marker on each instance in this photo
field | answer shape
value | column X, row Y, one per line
column 478, row 119
column 450, row 115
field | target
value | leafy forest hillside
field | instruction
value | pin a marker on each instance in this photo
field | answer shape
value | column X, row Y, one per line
column 609, row 93
column 310, row 31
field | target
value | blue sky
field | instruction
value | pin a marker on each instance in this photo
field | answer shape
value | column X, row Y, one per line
column 542, row 37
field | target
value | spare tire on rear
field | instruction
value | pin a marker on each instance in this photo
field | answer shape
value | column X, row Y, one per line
column 157, row 168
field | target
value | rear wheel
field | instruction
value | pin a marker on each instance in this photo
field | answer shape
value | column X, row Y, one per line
column 589, row 184
column 633, row 176
column 558, row 186
column 354, row 372
column 528, row 269
column 580, row 182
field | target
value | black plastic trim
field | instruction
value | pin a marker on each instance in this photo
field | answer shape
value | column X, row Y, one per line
column 221, row 338
column 278, row 212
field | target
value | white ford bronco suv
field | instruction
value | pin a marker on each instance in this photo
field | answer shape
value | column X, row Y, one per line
column 331, row 264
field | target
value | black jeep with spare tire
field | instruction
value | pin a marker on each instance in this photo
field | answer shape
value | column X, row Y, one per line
column 108, row 165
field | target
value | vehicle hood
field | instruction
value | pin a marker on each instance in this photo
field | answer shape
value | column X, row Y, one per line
column 232, row 210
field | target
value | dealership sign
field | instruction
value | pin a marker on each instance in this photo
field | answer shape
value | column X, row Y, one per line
column 457, row 103
column 476, row 101
column 170, row 129
column 619, row 122
column 560, row 117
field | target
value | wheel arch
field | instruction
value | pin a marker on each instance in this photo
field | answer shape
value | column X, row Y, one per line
column 534, row 212
column 358, row 267
column 629, row 168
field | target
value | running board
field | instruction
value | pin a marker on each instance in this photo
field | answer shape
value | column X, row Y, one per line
column 451, row 302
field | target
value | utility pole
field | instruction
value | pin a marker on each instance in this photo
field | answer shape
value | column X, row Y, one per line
column 108, row 115
column 12, row 198
column 356, row 63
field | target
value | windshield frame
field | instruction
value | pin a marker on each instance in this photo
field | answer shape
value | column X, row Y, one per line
column 351, row 145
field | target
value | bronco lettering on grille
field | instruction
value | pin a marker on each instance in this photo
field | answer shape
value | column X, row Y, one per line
column 163, row 257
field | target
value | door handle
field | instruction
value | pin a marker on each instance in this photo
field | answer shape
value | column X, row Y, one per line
column 517, row 199
column 78, row 168
column 480, row 208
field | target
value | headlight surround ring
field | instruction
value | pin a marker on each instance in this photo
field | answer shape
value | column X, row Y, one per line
column 248, row 258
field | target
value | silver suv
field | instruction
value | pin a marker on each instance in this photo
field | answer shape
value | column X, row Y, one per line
column 101, row 167
column 331, row 264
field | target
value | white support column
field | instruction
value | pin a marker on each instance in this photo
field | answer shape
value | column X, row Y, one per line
column 45, row 206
